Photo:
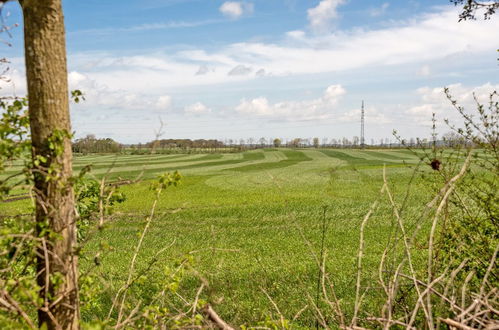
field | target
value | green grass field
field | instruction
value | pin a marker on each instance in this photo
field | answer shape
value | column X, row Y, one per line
column 252, row 222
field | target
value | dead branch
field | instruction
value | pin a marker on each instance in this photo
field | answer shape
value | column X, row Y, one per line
column 215, row 318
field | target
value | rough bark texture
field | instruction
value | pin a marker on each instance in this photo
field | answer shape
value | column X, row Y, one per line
column 45, row 54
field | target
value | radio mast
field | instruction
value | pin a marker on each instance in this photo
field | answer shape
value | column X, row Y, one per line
column 362, row 137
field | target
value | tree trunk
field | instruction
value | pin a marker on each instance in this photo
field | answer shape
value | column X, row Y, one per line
column 45, row 55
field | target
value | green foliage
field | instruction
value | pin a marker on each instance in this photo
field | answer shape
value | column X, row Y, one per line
column 471, row 232
column 269, row 323
column 90, row 196
column 77, row 96
column 14, row 131
column 14, row 142
column 22, row 238
column 166, row 180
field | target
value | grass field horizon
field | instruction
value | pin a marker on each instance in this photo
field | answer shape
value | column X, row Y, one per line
column 251, row 222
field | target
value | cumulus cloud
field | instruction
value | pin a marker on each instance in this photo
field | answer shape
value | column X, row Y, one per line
column 101, row 96
column 133, row 82
column 320, row 108
column 197, row 108
column 236, row 9
column 422, row 39
column 320, row 17
column 433, row 100
column 164, row 102
column 240, row 70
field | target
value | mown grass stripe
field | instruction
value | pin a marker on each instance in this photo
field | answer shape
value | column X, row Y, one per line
column 292, row 157
column 354, row 161
column 385, row 155
column 121, row 163
column 151, row 171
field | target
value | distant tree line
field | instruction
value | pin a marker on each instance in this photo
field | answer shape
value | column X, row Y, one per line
column 91, row 144
column 184, row 143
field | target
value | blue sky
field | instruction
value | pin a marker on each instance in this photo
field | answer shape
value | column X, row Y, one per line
column 273, row 68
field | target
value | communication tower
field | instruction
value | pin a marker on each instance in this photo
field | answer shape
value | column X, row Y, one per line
column 362, row 137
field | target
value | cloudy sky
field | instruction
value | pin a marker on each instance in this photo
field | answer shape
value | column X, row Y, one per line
column 266, row 68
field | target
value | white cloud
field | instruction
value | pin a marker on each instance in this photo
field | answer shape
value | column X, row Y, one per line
column 260, row 73
column 203, row 69
column 434, row 100
column 145, row 27
column 374, row 12
column 423, row 39
column 240, row 70
column 236, row 9
column 164, row 102
column 197, row 108
column 101, row 96
column 13, row 83
column 320, row 17
column 320, row 108
column 296, row 34
column 76, row 78
column 144, row 82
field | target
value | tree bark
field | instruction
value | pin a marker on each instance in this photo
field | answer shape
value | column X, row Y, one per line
column 46, row 70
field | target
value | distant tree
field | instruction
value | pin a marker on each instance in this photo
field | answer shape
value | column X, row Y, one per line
column 425, row 142
column 277, row 142
column 356, row 141
column 316, row 142
column 470, row 8
column 295, row 143
column 453, row 140
column 263, row 142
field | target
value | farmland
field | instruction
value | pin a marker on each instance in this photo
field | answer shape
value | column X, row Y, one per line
column 251, row 225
